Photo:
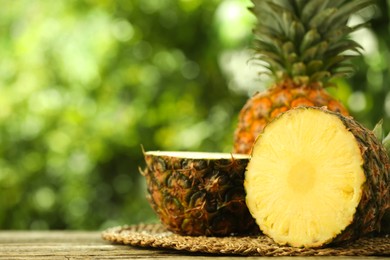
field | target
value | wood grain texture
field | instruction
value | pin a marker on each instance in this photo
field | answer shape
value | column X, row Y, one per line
column 67, row 245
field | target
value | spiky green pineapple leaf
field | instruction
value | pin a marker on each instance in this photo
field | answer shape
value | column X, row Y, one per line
column 298, row 5
column 319, row 19
column 336, row 60
column 315, row 65
column 344, row 12
column 315, row 52
column 297, row 32
column 320, row 75
column 378, row 130
column 299, row 69
column 343, row 46
column 277, row 8
column 311, row 8
column 338, row 34
column 379, row 134
column 343, row 70
column 266, row 31
column 311, row 37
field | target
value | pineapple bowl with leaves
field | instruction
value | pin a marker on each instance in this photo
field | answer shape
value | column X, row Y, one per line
column 199, row 193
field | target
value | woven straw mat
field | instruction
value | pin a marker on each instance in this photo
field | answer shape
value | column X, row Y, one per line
column 156, row 236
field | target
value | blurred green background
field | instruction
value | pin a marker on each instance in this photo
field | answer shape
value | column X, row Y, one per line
column 84, row 83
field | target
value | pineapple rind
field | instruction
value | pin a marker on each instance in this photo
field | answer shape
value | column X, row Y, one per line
column 359, row 196
column 376, row 193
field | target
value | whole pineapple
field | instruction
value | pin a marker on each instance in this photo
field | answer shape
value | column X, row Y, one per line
column 199, row 193
column 310, row 184
column 302, row 43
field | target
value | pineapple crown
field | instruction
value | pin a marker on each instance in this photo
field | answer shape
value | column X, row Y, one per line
column 306, row 40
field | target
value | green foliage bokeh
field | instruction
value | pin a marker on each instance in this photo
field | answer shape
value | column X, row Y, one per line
column 83, row 84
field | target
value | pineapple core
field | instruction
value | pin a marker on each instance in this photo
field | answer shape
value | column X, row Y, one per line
column 305, row 178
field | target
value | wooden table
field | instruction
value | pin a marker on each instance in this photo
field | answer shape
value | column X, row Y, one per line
column 89, row 245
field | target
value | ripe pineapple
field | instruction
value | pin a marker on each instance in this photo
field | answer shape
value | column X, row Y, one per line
column 199, row 193
column 303, row 45
column 317, row 177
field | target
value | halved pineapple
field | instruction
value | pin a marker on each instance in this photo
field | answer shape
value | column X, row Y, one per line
column 317, row 177
column 199, row 193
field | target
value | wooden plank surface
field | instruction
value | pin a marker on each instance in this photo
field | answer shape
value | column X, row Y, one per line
column 89, row 245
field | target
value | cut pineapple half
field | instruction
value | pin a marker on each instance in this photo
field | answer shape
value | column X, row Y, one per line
column 199, row 193
column 305, row 178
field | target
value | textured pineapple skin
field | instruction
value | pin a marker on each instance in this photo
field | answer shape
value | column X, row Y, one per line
column 264, row 106
column 375, row 199
column 199, row 196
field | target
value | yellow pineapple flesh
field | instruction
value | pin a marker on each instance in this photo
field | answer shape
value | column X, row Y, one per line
column 317, row 177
